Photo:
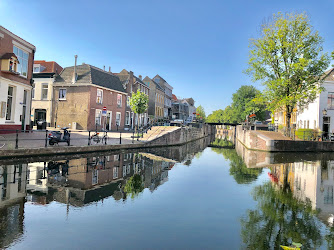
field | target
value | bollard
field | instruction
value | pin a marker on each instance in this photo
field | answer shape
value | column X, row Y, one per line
column 17, row 140
column 105, row 139
column 46, row 138
column 88, row 138
column 120, row 137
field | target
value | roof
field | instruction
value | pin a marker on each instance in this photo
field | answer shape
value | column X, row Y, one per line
column 174, row 97
column 160, row 78
column 8, row 56
column 124, row 76
column 329, row 75
column 88, row 74
column 157, row 84
column 50, row 67
column 17, row 37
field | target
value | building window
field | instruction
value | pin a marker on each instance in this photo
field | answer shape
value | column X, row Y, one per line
column 115, row 172
column 37, row 69
column 45, row 91
column 62, row 94
column 33, row 93
column 9, row 103
column 128, row 101
column 22, row 67
column 98, row 114
column 119, row 100
column 118, row 118
column 99, row 96
column 127, row 118
column 330, row 100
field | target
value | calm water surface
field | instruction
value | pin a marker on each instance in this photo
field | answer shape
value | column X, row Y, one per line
column 192, row 197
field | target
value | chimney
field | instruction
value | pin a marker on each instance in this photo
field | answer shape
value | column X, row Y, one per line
column 140, row 77
column 109, row 69
column 75, row 76
column 104, row 68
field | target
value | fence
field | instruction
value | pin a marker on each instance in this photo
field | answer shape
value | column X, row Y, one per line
column 19, row 139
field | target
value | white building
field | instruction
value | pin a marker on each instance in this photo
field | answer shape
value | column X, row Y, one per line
column 320, row 113
column 16, row 63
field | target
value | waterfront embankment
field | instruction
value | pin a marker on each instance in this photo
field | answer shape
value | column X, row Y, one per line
column 276, row 142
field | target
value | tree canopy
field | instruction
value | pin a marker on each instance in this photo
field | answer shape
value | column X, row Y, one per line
column 139, row 102
column 201, row 113
column 288, row 58
column 245, row 101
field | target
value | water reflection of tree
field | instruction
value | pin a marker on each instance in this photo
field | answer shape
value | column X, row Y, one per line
column 222, row 143
column 238, row 168
column 279, row 219
column 134, row 185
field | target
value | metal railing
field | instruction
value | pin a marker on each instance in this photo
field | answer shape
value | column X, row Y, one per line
column 18, row 139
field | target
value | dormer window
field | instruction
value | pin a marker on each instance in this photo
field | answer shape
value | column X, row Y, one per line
column 9, row 63
column 37, row 69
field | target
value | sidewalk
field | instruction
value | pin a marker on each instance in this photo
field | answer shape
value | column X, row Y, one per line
column 37, row 138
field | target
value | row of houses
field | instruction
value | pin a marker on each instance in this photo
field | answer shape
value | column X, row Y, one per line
column 80, row 97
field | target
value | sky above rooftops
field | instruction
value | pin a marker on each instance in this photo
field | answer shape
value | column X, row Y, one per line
column 199, row 47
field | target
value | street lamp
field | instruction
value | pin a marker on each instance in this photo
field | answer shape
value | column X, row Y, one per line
column 324, row 112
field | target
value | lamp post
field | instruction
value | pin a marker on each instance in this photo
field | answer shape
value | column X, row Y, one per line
column 324, row 112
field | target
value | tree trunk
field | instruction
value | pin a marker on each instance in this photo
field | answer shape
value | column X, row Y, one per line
column 288, row 119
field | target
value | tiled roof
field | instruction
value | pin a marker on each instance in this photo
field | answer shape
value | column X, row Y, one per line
column 50, row 67
column 329, row 75
column 88, row 74
column 174, row 97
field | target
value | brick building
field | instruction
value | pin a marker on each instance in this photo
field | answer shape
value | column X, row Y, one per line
column 16, row 67
column 81, row 92
column 131, row 84
column 44, row 76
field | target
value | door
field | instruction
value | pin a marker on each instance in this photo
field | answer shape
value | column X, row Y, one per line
column 325, row 126
column 108, row 121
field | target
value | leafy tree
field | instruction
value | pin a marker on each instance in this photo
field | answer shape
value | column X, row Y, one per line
column 201, row 113
column 244, row 103
column 216, row 116
column 288, row 58
column 139, row 103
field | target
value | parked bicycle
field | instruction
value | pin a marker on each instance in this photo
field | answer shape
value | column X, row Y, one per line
column 96, row 138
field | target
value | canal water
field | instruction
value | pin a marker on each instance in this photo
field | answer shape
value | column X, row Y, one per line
column 204, row 195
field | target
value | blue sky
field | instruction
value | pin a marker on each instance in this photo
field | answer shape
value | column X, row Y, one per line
column 199, row 47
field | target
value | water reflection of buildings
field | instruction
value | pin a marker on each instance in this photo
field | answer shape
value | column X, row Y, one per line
column 310, row 181
column 81, row 181
column 12, row 198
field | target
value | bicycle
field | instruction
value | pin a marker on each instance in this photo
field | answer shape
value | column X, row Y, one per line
column 95, row 138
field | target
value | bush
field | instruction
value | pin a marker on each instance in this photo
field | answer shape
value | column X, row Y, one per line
column 308, row 134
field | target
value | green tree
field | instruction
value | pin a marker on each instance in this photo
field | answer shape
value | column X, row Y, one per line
column 216, row 116
column 288, row 59
column 246, row 101
column 139, row 103
column 201, row 113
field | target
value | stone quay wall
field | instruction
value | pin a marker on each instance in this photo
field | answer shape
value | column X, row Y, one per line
column 256, row 141
column 182, row 136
